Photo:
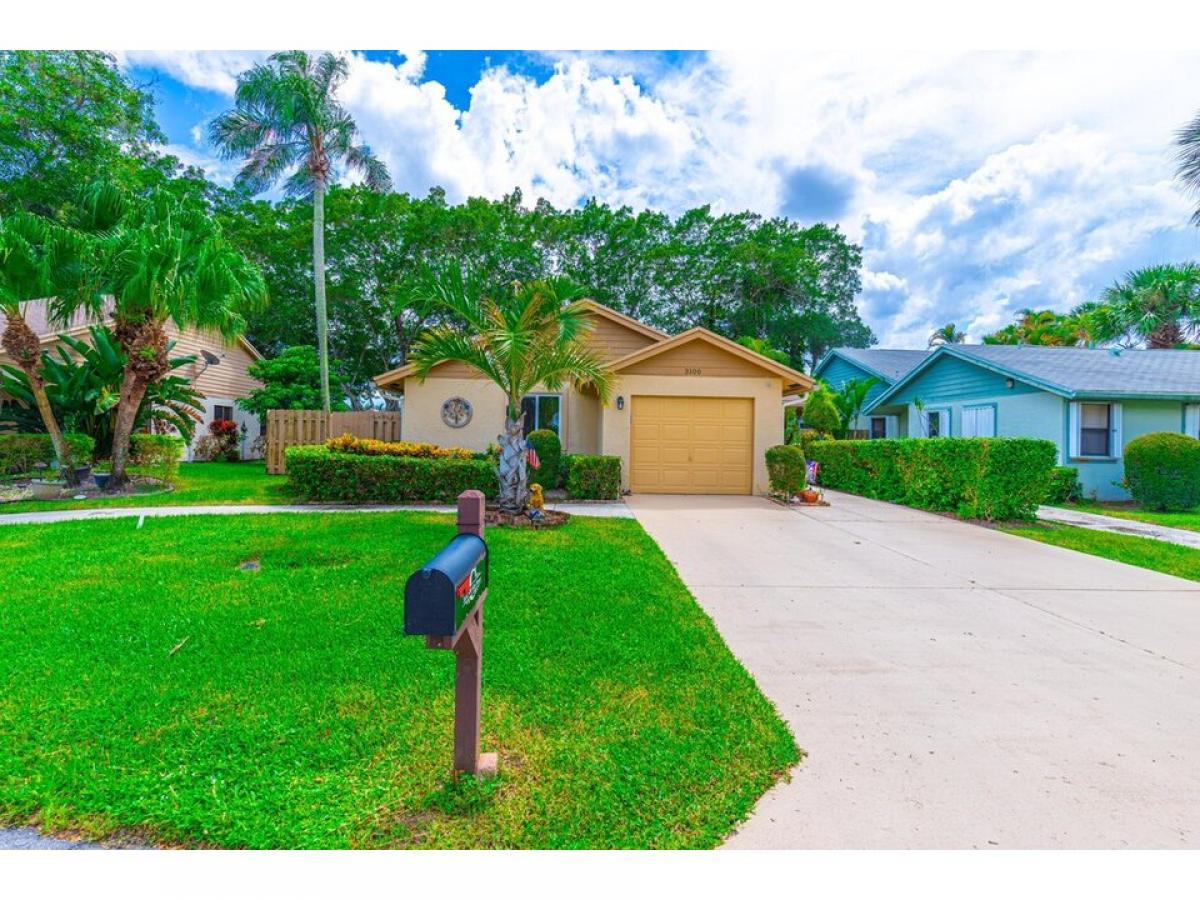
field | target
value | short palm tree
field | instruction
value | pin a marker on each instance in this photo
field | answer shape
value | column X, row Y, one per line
column 526, row 336
column 850, row 399
column 1158, row 304
column 288, row 119
column 947, row 334
column 167, row 261
column 39, row 260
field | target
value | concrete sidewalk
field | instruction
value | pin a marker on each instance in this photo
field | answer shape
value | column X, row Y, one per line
column 1098, row 522
column 954, row 686
column 608, row 510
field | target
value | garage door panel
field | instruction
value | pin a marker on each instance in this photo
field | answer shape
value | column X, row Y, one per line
column 692, row 445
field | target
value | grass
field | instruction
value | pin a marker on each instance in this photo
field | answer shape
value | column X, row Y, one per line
column 1160, row 556
column 149, row 684
column 1189, row 519
column 217, row 483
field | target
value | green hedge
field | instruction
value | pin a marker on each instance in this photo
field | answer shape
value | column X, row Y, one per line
column 1162, row 470
column 159, row 453
column 786, row 468
column 549, row 450
column 977, row 478
column 1064, row 485
column 594, row 477
column 21, row 452
column 317, row 473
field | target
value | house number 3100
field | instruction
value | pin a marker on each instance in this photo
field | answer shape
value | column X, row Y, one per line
column 691, row 371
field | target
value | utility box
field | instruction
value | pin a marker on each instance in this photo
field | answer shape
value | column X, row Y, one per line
column 440, row 595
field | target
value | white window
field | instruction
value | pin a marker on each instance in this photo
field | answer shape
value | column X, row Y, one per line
column 222, row 413
column 936, row 422
column 1191, row 419
column 979, row 421
column 541, row 411
column 1095, row 430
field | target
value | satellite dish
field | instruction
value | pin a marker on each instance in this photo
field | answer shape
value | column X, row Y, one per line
column 210, row 358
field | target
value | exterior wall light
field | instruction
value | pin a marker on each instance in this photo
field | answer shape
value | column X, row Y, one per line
column 620, row 403
column 1008, row 383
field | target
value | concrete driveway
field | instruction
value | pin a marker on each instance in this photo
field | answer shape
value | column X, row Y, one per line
column 954, row 686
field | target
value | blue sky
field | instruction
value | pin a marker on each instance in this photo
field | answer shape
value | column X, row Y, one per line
column 977, row 183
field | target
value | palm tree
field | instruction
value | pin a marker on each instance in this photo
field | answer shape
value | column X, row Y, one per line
column 526, row 336
column 38, row 260
column 167, row 261
column 947, row 334
column 288, row 118
column 1158, row 304
column 850, row 398
column 1188, row 156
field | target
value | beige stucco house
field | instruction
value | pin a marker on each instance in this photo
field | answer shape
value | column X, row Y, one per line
column 222, row 382
column 691, row 414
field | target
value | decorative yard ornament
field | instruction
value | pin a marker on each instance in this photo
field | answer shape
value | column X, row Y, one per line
column 456, row 412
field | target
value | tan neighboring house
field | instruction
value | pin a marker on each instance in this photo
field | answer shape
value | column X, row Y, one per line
column 691, row 414
column 221, row 382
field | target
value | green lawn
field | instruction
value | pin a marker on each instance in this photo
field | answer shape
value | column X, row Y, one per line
column 1189, row 520
column 199, row 483
column 1137, row 551
column 148, row 684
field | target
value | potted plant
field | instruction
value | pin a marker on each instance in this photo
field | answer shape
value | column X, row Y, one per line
column 100, row 475
column 810, row 494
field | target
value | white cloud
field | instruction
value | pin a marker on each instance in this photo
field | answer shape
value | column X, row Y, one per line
column 977, row 183
column 211, row 70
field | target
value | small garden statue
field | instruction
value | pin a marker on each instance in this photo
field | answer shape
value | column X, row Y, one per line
column 536, row 499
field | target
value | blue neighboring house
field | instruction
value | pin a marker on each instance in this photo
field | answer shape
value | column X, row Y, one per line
column 845, row 364
column 1089, row 402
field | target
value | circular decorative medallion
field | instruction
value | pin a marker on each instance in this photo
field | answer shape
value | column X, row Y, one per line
column 456, row 412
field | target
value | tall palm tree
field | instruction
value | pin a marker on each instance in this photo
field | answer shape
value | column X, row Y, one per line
column 526, row 336
column 167, row 260
column 1158, row 304
column 288, row 119
column 39, row 260
column 947, row 334
column 1188, row 156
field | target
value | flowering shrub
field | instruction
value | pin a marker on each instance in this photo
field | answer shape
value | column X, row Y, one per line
column 221, row 442
column 348, row 443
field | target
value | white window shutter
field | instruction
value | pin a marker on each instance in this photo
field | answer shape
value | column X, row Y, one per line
column 985, row 421
column 1073, row 430
column 891, row 425
column 1191, row 419
column 1118, row 446
column 944, row 423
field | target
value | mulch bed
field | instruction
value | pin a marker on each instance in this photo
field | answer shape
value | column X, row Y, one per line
column 550, row 518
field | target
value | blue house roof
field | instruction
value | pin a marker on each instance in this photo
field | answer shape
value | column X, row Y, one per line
column 1077, row 372
column 886, row 365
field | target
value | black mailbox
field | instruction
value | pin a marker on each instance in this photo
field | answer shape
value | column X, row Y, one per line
column 439, row 596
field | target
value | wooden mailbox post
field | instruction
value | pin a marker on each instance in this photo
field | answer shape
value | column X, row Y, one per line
column 444, row 602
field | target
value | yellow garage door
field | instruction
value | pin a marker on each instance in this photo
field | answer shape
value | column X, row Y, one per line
column 692, row 445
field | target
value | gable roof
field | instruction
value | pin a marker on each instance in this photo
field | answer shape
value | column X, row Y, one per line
column 1077, row 372
column 794, row 381
column 886, row 365
column 398, row 374
column 37, row 317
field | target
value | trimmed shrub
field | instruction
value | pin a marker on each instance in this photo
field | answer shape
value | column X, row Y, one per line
column 318, row 473
column 786, row 468
column 349, row 443
column 1162, row 470
column 807, row 436
column 157, row 452
column 594, row 477
column 1064, row 485
column 977, row 478
column 820, row 412
column 22, row 452
column 549, row 450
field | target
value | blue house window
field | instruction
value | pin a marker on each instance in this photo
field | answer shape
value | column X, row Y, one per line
column 1095, row 429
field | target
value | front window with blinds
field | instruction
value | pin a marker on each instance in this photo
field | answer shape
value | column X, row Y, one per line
column 542, row 411
column 222, row 413
column 1095, row 429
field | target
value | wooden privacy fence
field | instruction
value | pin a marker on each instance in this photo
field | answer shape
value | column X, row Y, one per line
column 289, row 427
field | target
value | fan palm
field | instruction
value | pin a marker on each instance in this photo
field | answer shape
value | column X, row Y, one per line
column 947, row 334
column 1158, row 304
column 526, row 336
column 288, row 119
column 38, row 260
column 167, row 261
